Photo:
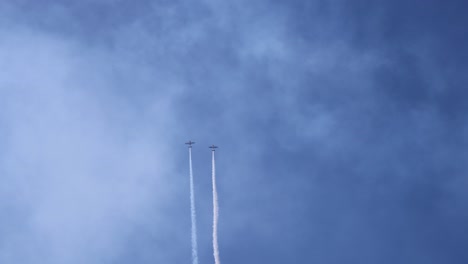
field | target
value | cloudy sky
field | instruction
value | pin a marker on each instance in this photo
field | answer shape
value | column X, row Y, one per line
column 342, row 128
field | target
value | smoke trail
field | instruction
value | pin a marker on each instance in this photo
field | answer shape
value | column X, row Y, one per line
column 215, row 211
column 193, row 214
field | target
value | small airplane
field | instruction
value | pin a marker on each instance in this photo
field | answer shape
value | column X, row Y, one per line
column 190, row 143
column 213, row 147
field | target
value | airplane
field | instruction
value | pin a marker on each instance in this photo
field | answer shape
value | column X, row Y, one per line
column 213, row 147
column 190, row 143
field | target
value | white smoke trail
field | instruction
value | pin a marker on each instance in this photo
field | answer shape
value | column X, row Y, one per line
column 215, row 211
column 193, row 214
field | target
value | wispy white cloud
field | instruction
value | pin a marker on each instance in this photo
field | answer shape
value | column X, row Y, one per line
column 80, row 166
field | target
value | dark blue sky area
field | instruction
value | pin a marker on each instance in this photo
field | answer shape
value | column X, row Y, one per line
column 341, row 124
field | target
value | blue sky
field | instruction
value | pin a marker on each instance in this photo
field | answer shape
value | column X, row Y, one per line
column 341, row 125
